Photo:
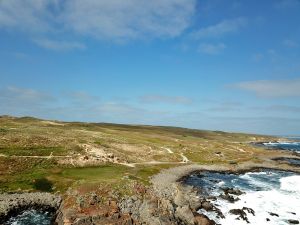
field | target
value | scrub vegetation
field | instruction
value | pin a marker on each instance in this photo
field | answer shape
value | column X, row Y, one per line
column 53, row 156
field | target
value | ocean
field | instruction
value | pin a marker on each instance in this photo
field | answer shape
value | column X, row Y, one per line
column 273, row 195
column 31, row 217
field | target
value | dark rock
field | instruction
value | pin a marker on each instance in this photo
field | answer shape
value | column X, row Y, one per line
column 267, row 219
column 219, row 213
column 240, row 212
column 232, row 191
column 213, row 198
column 229, row 198
column 293, row 221
column 249, row 210
column 273, row 214
column 208, row 206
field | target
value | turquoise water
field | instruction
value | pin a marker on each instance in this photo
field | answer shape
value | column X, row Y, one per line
column 31, row 217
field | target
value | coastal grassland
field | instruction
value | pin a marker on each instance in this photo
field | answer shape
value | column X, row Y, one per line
column 24, row 174
column 30, row 149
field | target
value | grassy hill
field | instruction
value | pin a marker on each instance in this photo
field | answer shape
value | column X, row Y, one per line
column 52, row 155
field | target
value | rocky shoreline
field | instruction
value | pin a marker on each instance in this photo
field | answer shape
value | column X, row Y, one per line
column 13, row 204
column 173, row 202
column 168, row 201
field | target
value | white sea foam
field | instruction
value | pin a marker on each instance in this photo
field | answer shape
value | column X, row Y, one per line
column 281, row 143
column 291, row 183
column 30, row 217
column 283, row 200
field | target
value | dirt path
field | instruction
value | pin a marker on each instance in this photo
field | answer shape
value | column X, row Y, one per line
column 184, row 158
column 168, row 150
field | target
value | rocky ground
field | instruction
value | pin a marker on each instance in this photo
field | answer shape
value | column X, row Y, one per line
column 167, row 201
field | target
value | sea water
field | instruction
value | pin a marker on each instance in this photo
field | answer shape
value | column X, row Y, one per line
column 31, row 217
column 267, row 191
column 291, row 146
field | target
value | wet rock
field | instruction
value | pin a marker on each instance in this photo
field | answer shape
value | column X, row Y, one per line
column 232, row 191
column 240, row 212
column 273, row 214
column 208, row 206
column 229, row 198
column 293, row 221
column 213, row 198
column 249, row 210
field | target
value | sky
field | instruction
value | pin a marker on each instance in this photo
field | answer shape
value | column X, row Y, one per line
column 205, row 64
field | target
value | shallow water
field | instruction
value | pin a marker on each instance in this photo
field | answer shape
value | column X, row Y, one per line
column 266, row 192
column 31, row 217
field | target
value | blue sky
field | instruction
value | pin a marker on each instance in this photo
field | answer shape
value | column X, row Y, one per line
column 207, row 64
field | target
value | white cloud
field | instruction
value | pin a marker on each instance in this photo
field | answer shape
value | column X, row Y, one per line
column 18, row 101
column 272, row 88
column 16, row 95
column 211, row 49
column 82, row 98
column 226, row 106
column 279, row 108
column 26, row 15
column 121, row 19
column 109, row 20
column 118, row 108
column 59, row 45
column 165, row 99
column 220, row 29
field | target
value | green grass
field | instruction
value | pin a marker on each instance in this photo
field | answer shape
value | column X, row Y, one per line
column 99, row 173
column 4, row 130
column 30, row 136
column 30, row 151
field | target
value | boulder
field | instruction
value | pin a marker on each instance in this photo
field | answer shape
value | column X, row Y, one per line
column 232, row 191
column 240, row 212
column 229, row 198
column 208, row 206
column 203, row 220
column 293, row 221
column 273, row 214
column 185, row 214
